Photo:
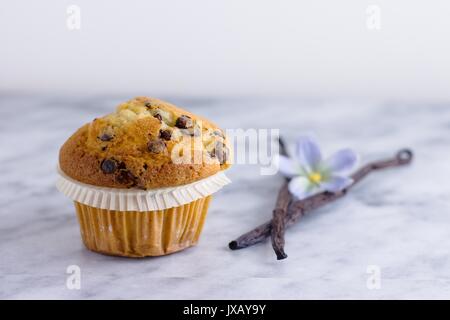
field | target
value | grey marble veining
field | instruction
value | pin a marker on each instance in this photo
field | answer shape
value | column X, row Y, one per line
column 397, row 219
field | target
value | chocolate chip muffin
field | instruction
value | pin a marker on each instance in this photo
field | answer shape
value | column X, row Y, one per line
column 142, row 177
column 139, row 144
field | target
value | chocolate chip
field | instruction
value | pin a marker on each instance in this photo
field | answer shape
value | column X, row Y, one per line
column 106, row 137
column 148, row 105
column 221, row 152
column 108, row 166
column 121, row 166
column 126, row 177
column 184, row 122
column 165, row 134
column 104, row 148
column 156, row 146
column 158, row 116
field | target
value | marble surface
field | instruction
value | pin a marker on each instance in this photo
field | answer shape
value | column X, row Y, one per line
column 397, row 220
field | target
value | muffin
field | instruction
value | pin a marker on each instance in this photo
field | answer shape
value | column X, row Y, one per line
column 142, row 177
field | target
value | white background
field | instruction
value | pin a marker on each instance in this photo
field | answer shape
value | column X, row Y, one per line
column 233, row 47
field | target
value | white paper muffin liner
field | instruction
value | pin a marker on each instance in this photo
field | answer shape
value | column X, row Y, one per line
column 139, row 200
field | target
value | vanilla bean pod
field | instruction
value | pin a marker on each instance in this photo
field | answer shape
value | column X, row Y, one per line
column 279, row 221
column 278, row 225
column 300, row 207
column 282, row 147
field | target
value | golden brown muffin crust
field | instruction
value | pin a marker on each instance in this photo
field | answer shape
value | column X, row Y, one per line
column 147, row 143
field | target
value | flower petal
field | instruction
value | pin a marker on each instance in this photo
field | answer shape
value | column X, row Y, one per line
column 342, row 161
column 288, row 167
column 336, row 183
column 308, row 153
column 300, row 187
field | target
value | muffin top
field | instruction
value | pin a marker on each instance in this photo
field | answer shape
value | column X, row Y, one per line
column 146, row 143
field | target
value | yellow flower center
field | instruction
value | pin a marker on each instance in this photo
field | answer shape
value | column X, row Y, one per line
column 315, row 177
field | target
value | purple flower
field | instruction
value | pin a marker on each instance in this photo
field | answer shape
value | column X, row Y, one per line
column 311, row 174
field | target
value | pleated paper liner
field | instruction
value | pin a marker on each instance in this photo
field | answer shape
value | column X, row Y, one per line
column 141, row 234
column 139, row 223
